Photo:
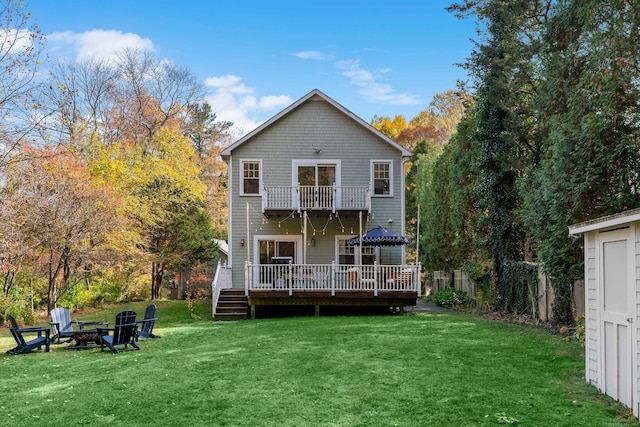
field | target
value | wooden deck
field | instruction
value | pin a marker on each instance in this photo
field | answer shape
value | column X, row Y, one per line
column 318, row 299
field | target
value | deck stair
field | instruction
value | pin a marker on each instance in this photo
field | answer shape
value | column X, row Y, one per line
column 232, row 305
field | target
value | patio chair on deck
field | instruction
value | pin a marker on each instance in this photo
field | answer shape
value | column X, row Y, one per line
column 145, row 328
column 24, row 346
column 124, row 332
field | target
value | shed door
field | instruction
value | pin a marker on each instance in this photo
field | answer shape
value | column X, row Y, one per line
column 616, row 258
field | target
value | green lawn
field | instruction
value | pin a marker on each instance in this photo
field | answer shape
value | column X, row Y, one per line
column 405, row 370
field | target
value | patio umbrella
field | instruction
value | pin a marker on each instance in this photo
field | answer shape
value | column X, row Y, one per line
column 380, row 236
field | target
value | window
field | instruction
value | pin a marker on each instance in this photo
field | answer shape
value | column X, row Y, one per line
column 381, row 177
column 250, row 178
column 368, row 255
column 270, row 249
column 346, row 253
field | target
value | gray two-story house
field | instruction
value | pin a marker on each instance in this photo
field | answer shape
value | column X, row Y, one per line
column 301, row 186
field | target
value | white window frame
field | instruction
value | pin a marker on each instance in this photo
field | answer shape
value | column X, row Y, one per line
column 314, row 162
column 373, row 187
column 356, row 251
column 296, row 238
column 260, row 173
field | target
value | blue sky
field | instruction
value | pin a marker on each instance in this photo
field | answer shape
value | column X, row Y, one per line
column 256, row 57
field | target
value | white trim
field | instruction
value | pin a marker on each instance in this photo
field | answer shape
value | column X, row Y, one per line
column 230, row 211
column 605, row 222
column 403, row 216
column 336, row 244
column 241, row 164
column 315, row 162
column 372, row 180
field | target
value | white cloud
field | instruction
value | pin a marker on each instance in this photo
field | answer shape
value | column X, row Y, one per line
column 98, row 43
column 313, row 54
column 14, row 41
column 370, row 87
column 234, row 101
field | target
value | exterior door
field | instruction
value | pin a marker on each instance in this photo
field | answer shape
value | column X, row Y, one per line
column 616, row 259
column 316, row 185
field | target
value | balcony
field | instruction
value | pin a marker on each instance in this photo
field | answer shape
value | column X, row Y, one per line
column 316, row 198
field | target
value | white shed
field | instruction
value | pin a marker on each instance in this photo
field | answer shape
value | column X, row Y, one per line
column 612, row 306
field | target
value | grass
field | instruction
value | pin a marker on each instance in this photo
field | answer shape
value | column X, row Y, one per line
column 412, row 370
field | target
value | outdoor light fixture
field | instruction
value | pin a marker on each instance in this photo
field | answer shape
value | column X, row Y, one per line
column 317, row 150
column 242, row 241
column 312, row 242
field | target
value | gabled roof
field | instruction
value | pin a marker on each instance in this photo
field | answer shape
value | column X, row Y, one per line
column 314, row 94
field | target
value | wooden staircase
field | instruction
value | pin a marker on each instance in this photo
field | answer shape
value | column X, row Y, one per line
column 232, row 305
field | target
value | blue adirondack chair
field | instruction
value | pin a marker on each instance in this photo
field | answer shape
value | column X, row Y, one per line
column 23, row 345
column 145, row 326
column 124, row 333
column 63, row 325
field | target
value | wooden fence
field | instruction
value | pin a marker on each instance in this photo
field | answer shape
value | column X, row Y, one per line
column 458, row 280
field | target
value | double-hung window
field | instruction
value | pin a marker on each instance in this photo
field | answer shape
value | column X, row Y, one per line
column 250, row 177
column 381, row 177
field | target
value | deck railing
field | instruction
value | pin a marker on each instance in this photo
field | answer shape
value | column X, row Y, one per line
column 304, row 197
column 221, row 280
column 332, row 278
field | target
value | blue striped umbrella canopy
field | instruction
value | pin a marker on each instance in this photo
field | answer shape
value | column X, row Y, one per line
column 380, row 236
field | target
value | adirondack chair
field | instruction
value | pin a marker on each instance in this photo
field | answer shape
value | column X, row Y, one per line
column 145, row 326
column 124, row 333
column 24, row 346
column 63, row 325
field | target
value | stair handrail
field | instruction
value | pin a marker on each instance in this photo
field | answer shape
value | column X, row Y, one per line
column 221, row 280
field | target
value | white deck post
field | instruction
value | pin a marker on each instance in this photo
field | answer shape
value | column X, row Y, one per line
column 375, row 278
column 333, row 278
column 246, row 278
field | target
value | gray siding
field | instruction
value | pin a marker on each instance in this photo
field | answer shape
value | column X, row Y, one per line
column 297, row 135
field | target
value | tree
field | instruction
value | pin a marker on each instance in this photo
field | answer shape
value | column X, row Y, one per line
column 389, row 127
column 589, row 96
column 21, row 46
column 159, row 184
column 59, row 215
column 209, row 137
column 454, row 232
column 505, row 71
column 443, row 114
column 152, row 94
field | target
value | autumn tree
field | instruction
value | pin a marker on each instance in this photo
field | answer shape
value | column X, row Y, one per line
column 160, row 186
column 21, row 48
column 209, row 137
column 61, row 216
column 152, row 94
column 388, row 126
column 81, row 97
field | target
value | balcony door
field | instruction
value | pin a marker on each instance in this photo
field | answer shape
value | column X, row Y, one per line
column 316, row 182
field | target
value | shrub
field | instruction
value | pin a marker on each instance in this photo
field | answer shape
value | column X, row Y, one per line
column 450, row 297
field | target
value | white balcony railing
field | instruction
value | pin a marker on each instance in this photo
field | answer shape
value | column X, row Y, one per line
column 304, row 197
column 332, row 278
